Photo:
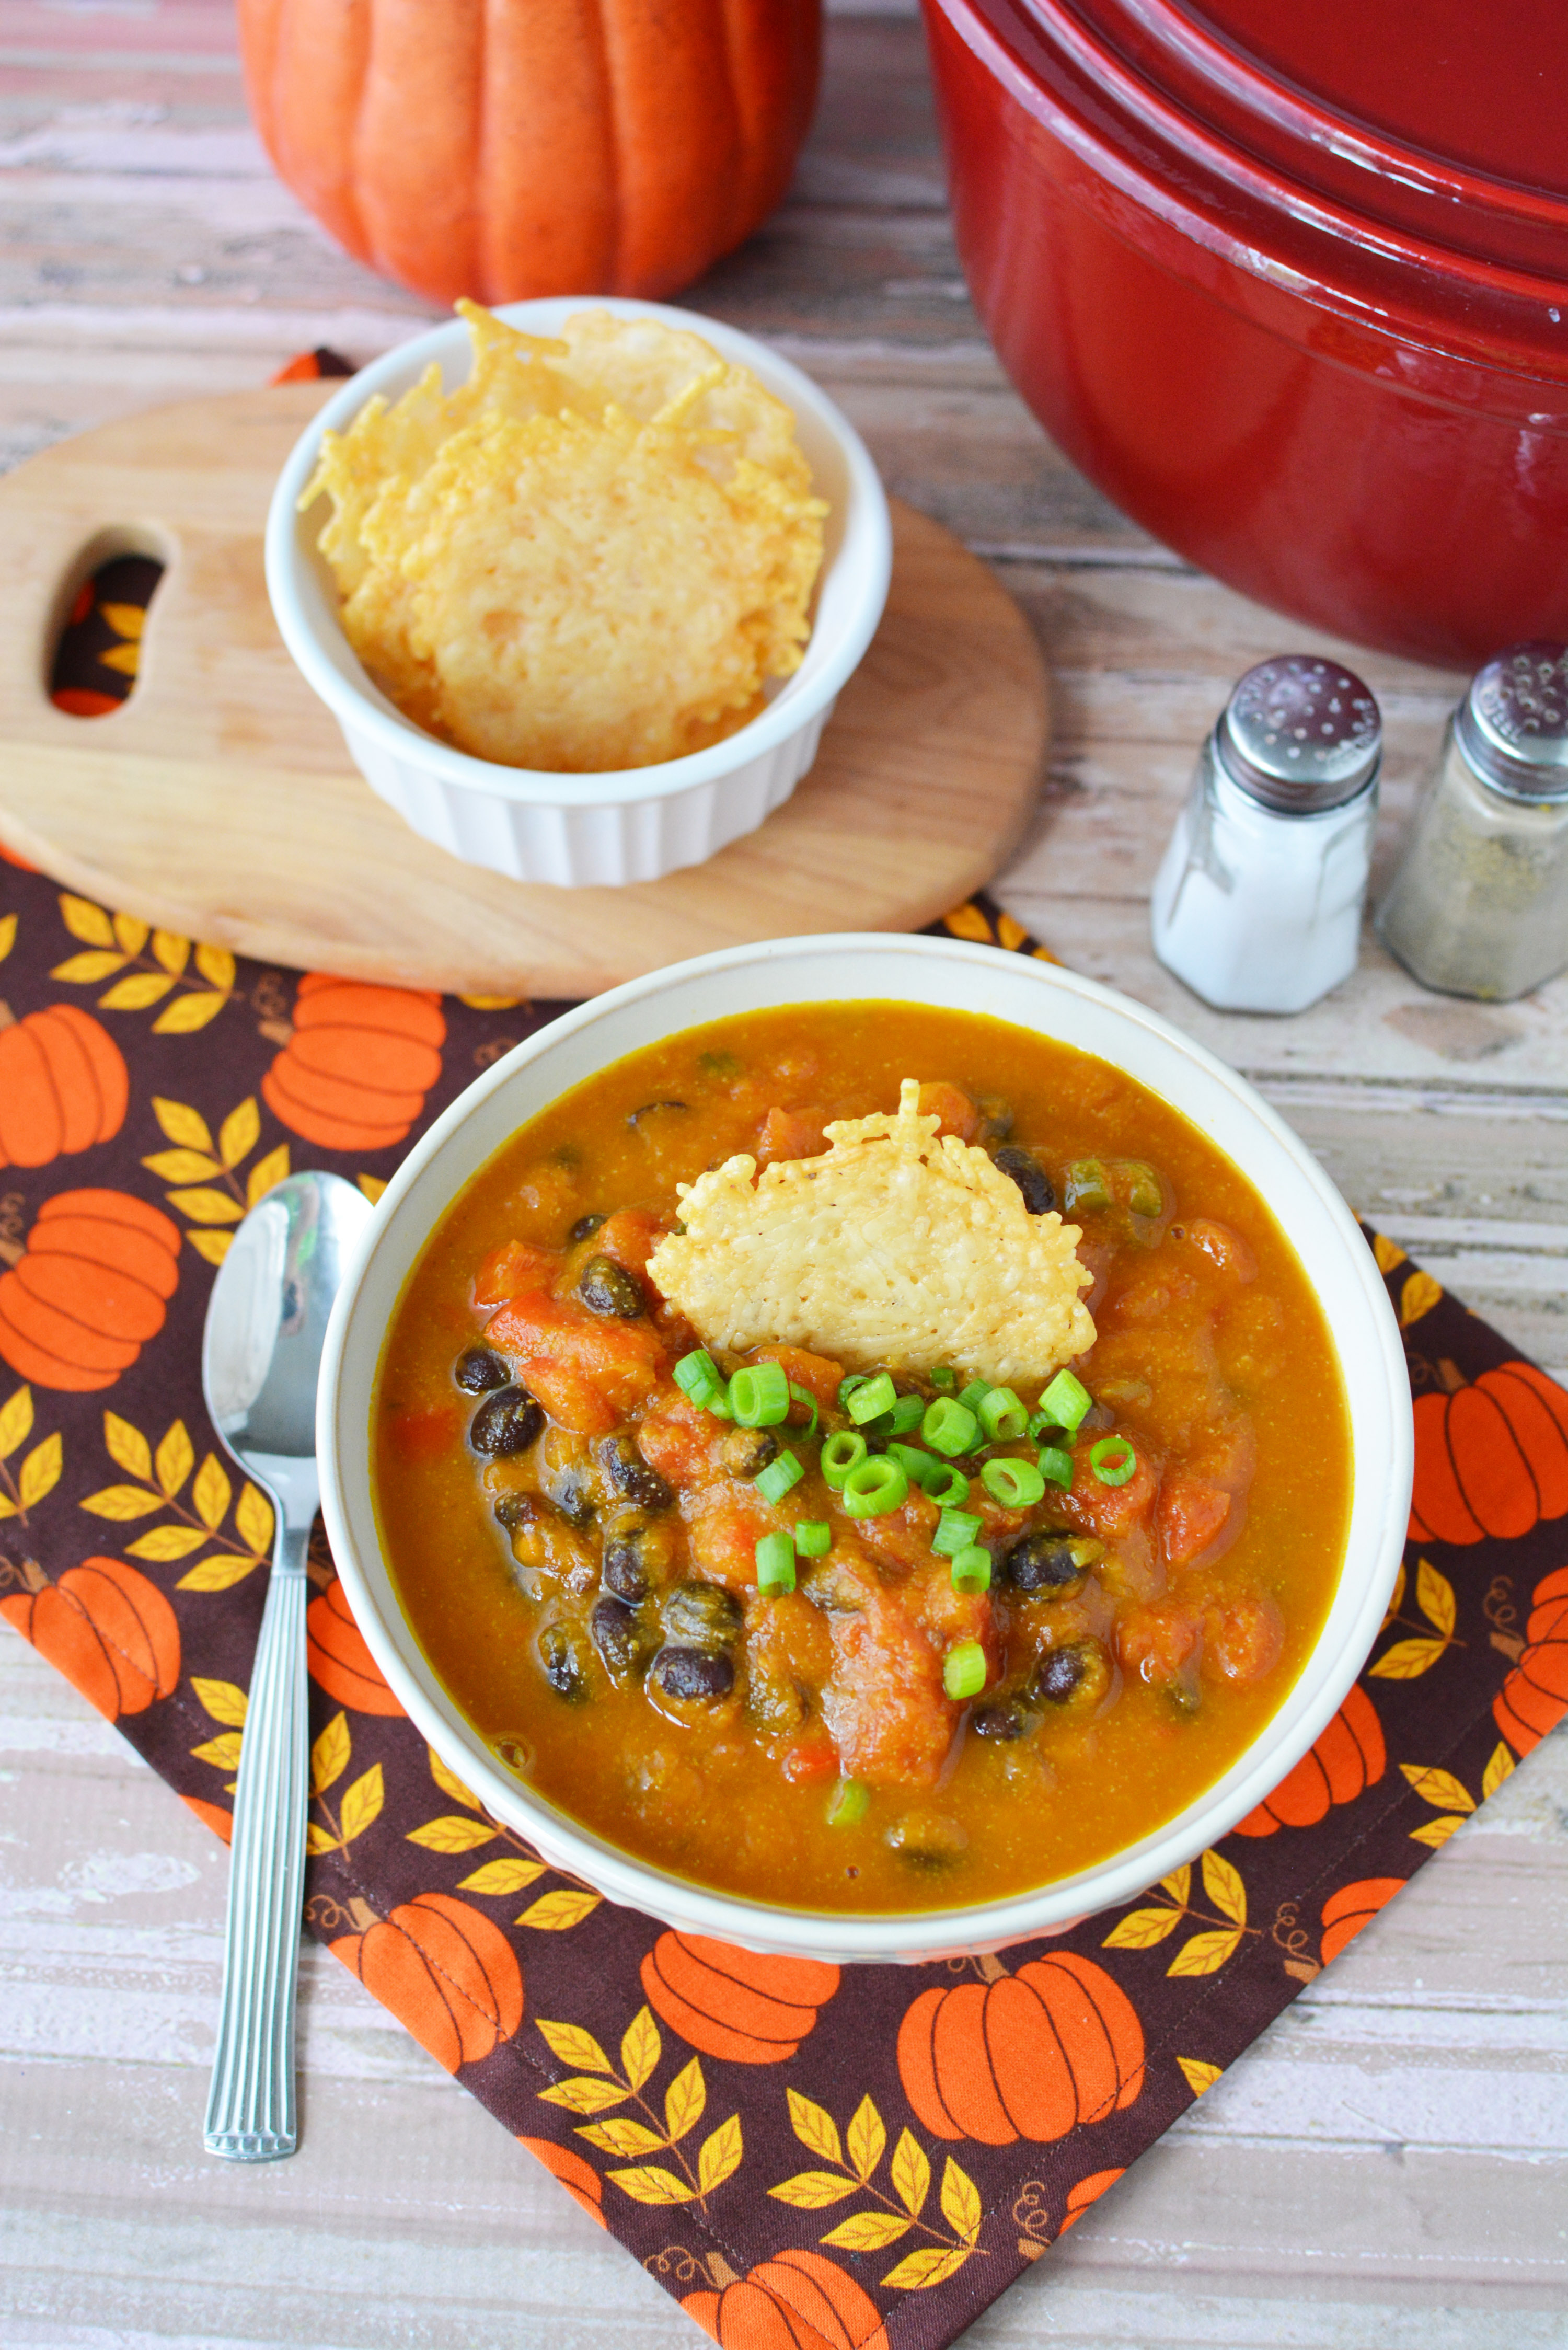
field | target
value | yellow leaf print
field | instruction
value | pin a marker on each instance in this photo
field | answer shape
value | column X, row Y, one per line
column 922, row 2270
column 86, row 921
column 814, row 2127
column 498, row 1878
column 556, row 1913
column 136, row 992
column 183, row 1125
column 1389, row 1255
column 174, row 1459
column 1205, row 1954
column 649, row 2183
column 967, row 921
column 125, row 619
column 225, row 1701
column 1198, row 2075
column 1418, row 1297
column 188, row 1013
column 329, row 1755
column 451, row 1834
column 16, row 1421
column 1438, row 1788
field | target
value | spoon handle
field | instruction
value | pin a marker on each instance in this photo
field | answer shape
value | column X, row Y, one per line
column 251, row 2107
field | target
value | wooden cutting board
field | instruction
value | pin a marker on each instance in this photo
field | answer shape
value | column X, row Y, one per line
column 220, row 801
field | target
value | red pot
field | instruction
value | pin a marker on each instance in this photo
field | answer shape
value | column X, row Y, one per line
column 1269, row 283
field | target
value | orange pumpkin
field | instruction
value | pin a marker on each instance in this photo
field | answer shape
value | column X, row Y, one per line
column 104, row 1625
column 90, row 1289
column 338, row 1658
column 733, row 2003
column 1026, row 2056
column 1354, row 1906
column 796, row 2301
column 579, row 2179
column 444, row 1970
column 1534, row 1697
column 356, row 1070
column 211, row 1815
column 1088, row 2191
column 64, row 1085
column 519, row 148
column 1348, row 1758
column 1491, row 1458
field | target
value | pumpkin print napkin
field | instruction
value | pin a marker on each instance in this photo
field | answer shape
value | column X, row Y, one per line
column 834, row 2159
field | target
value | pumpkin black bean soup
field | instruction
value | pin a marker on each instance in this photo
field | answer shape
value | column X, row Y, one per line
column 863, row 1458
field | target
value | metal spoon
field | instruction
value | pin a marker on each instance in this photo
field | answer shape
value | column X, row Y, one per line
column 261, row 1352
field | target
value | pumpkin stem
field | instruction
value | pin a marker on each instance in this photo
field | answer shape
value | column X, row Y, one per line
column 277, row 1032
column 11, row 1252
column 7, row 1017
column 720, row 2273
column 25, row 1571
column 1452, row 1378
column 1507, row 1646
column 361, row 1917
column 1304, row 1970
column 990, row 1968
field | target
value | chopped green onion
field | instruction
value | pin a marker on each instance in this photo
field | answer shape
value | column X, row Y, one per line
column 776, row 1564
column 947, row 1427
column 1107, row 1468
column 876, row 1486
column 907, row 1414
column 944, row 1379
column 759, row 1395
column 1016, row 1484
column 971, row 1569
column 974, row 1395
column 804, row 1395
column 950, row 1486
column 871, row 1399
column 1002, row 1416
column 1086, row 1185
column 851, row 1801
column 956, row 1529
column 812, row 1537
column 963, row 1670
column 846, row 1387
column 1064, row 1402
column 1057, row 1466
column 919, row 1467
column 841, row 1454
column 696, row 1371
column 778, row 1477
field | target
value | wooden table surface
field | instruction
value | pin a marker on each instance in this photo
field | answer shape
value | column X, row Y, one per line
column 1389, row 2163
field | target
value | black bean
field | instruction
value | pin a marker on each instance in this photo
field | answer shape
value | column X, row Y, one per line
column 629, row 1473
column 477, row 1370
column 566, row 1668
column 1043, row 1566
column 1004, row 1717
column 506, row 1422
column 565, row 1489
column 693, row 1673
column 1079, row 1673
column 745, row 1452
column 1038, row 1192
column 624, row 1570
column 635, row 1116
column 515, row 1509
column 619, row 1636
column 702, row 1615
column 586, row 1227
column 606, row 1287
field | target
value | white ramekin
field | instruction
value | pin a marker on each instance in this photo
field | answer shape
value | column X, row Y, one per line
column 945, row 972
column 629, row 824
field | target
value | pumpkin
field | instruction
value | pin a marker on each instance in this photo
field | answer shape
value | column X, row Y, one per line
column 530, row 147
column 733, row 2003
column 1534, row 1697
column 1354, row 1906
column 796, row 2301
column 444, row 1970
column 1026, row 2056
column 1491, row 1458
column 103, row 1625
column 211, row 1815
column 356, row 1069
column 338, row 1658
column 64, row 1085
column 1348, row 1758
column 1088, row 2191
column 579, row 2179
column 89, row 1290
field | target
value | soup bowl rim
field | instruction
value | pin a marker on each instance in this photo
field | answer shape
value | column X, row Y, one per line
column 967, row 976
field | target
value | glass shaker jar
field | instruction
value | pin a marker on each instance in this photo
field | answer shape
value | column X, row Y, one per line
column 1256, row 905
column 1479, row 905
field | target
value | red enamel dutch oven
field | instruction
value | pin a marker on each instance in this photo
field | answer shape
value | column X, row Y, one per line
column 1290, row 284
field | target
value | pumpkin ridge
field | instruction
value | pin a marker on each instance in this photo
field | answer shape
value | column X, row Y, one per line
column 704, row 2032
column 75, row 1238
column 46, row 1279
column 23, row 1037
column 110, row 1354
column 325, row 1127
column 78, row 1132
column 151, row 1670
column 112, row 1208
column 427, row 1904
column 78, row 1637
column 756, row 2015
column 107, row 1062
column 1536, row 1425
column 813, row 1979
column 1078, row 2072
column 321, row 1090
column 30, row 1359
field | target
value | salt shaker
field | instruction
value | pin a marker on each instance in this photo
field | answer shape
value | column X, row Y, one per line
column 1479, row 905
column 1256, row 905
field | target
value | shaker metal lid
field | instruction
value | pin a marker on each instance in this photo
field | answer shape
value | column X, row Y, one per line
column 1300, row 735
column 1512, row 724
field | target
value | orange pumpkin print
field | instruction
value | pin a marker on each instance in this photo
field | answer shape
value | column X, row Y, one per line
column 356, row 1070
column 1026, row 2056
column 731, row 2003
column 796, row 2301
column 89, row 1290
column 1354, row 1906
column 1348, row 1758
column 211, row 1815
column 338, row 1658
column 1491, row 1458
column 1534, row 1697
column 444, row 1970
column 580, row 2179
column 1086, row 2192
column 64, row 1085
column 104, row 1625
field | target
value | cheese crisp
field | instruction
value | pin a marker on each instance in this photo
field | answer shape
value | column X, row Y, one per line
column 592, row 554
column 895, row 1248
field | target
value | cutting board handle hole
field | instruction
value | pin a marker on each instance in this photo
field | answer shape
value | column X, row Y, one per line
column 100, row 619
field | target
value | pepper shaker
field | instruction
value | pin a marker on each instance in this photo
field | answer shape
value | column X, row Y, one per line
column 1479, row 905
column 1256, row 905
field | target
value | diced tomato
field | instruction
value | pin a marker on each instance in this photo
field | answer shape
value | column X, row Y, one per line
column 1109, row 1509
column 572, row 1400
column 902, row 1536
column 892, row 1720
column 678, row 1438
column 1242, row 1638
column 817, row 1374
column 723, row 1538
column 424, row 1436
column 958, row 1114
column 1159, row 1642
column 587, row 1370
column 1221, row 1245
column 814, row 1756
column 630, row 1237
column 513, row 1269
column 791, row 1134
column 1192, row 1515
